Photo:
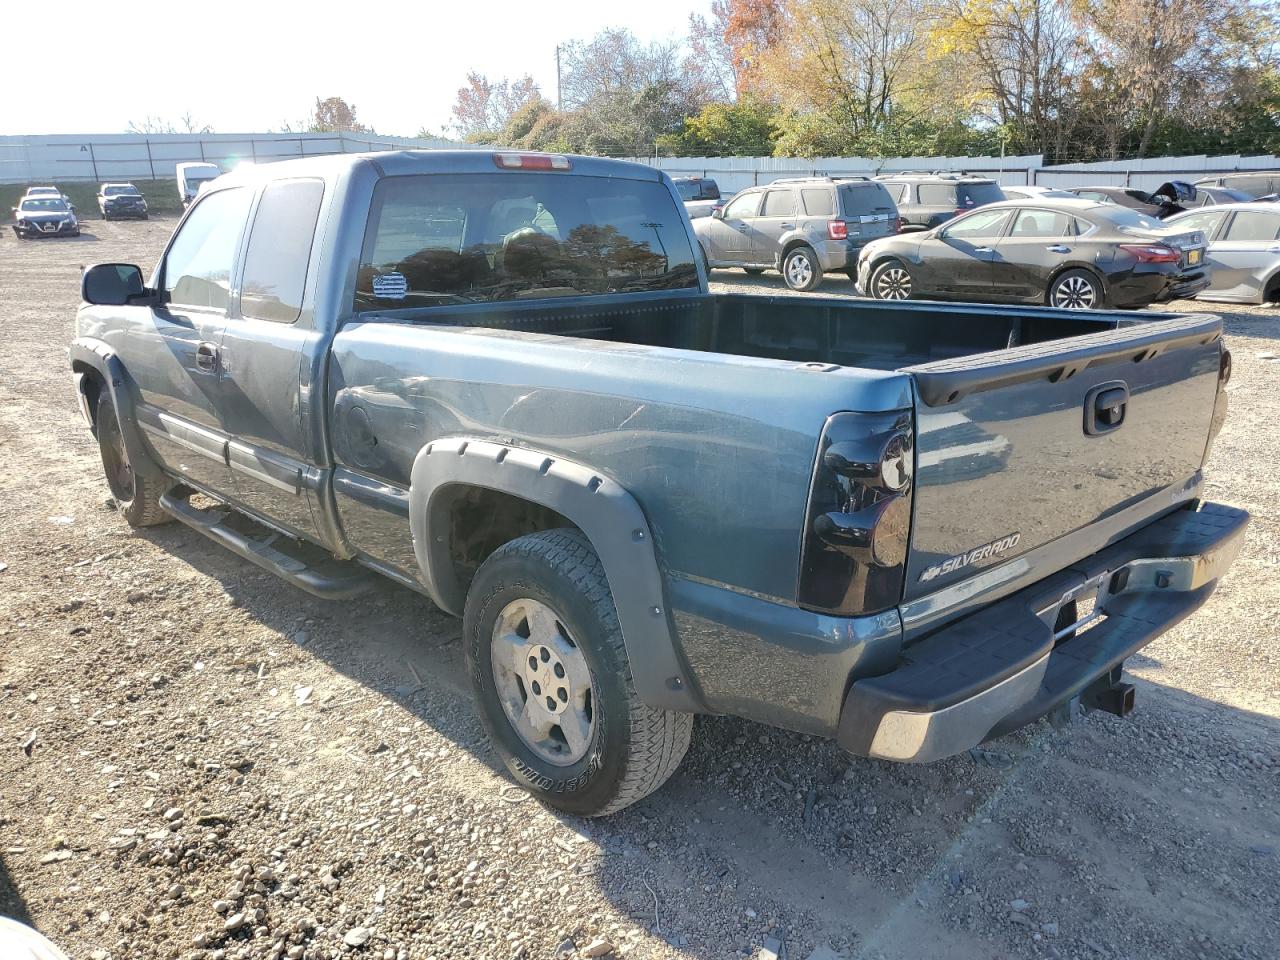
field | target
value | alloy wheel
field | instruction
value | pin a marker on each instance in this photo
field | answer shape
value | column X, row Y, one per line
column 543, row 682
column 799, row 270
column 1074, row 293
column 893, row 284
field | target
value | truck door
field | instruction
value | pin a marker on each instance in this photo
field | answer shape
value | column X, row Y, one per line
column 267, row 352
column 175, row 347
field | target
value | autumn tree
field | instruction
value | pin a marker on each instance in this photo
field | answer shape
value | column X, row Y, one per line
column 482, row 106
column 751, row 30
column 335, row 115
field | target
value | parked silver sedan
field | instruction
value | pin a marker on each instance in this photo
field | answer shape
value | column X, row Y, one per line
column 1243, row 256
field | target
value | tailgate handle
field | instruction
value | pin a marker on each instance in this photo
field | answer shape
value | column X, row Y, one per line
column 1105, row 407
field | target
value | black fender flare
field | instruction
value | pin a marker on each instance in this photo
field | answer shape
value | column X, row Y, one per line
column 600, row 507
column 90, row 353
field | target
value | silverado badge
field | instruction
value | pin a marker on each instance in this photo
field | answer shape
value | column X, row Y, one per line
column 992, row 549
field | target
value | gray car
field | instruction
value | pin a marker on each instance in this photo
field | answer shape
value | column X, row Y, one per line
column 804, row 227
column 1244, row 250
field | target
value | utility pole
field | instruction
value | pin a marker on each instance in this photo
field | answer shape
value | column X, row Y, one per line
column 559, row 95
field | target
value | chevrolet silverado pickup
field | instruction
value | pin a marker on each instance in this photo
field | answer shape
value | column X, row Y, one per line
column 500, row 380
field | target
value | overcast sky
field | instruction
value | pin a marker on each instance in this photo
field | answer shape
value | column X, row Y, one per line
column 251, row 66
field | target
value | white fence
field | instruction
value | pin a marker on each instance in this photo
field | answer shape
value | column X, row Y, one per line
column 99, row 157
column 735, row 173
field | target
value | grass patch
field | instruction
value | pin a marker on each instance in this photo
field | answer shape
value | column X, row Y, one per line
column 162, row 196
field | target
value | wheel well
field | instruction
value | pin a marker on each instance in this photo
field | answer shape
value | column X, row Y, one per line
column 792, row 244
column 91, row 378
column 480, row 520
column 1271, row 289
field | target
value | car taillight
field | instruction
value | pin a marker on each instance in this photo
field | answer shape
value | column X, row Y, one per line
column 837, row 230
column 531, row 161
column 854, row 551
column 901, row 225
column 1151, row 252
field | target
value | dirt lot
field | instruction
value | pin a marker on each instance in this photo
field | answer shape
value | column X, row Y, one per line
column 199, row 761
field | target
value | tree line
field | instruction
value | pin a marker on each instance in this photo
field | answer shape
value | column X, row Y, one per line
column 1071, row 79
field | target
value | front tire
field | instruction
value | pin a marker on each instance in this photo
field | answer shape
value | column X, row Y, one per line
column 1076, row 290
column 553, row 683
column 800, row 269
column 891, row 280
column 137, row 496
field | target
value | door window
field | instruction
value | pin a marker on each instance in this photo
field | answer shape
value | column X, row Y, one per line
column 275, row 266
column 743, row 205
column 818, row 202
column 984, row 224
column 197, row 270
column 780, row 203
column 1249, row 226
column 1205, row 222
column 1041, row 223
column 937, row 194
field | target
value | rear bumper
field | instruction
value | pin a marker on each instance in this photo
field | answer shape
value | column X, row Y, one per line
column 1001, row 668
column 838, row 256
column 1137, row 289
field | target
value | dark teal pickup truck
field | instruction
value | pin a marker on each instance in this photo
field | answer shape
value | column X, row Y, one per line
column 499, row 380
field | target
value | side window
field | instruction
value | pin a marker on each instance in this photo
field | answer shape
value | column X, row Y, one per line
column 275, row 267
column 779, row 203
column 743, row 205
column 1207, row 222
column 197, row 270
column 1094, row 196
column 818, row 202
column 937, row 194
column 982, row 225
column 1041, row 223
column 1250, row 227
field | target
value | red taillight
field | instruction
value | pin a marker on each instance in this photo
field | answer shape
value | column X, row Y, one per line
column 531, row 161
column 837, row 230
column 1151, row 252
column 901, row 225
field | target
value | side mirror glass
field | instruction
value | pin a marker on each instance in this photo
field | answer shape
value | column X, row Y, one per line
column 112, row 284
column 717, row 212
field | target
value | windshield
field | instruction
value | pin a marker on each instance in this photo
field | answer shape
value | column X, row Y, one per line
column 120, row 190
column 44, row 205
column 518, row 236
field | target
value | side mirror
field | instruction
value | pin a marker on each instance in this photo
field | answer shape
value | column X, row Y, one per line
column 112, row 284
column 717, row 213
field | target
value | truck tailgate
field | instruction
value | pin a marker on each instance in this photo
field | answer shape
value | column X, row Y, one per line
column 1020, row 447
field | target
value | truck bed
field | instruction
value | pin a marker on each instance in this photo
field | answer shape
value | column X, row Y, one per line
column 827, row 330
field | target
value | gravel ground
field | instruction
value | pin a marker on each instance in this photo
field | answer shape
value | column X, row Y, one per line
column 197, row 761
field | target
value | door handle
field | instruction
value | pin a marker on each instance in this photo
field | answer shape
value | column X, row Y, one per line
column 1058, row 248
column 983, row 249
column 788, row 226
column 1273, row 249
column 207, row 355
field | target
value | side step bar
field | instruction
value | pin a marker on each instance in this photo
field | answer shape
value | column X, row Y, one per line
column 328, row 579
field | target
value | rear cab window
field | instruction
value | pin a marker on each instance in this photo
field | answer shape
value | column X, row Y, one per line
column 445, row 239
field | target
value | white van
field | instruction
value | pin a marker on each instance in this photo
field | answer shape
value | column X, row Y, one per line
column 193, row 176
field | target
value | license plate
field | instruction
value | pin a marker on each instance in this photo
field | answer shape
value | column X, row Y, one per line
column 1193, row 257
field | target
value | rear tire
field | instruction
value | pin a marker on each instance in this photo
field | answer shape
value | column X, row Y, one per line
column 137, row 496
column 543, row 601
column 800, row 269
column 1076, row 290
column 891, row 280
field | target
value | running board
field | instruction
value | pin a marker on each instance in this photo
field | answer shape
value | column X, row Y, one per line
column 327, row 578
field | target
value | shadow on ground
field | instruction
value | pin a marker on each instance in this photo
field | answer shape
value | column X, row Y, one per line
column 1140, row 838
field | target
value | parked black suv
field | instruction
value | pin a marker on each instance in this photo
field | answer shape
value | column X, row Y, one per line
column 927, row 199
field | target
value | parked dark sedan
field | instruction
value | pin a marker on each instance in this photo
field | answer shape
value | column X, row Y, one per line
column 121, row 200
column 1074, row 254
column 44, row 217
column 1167, row 199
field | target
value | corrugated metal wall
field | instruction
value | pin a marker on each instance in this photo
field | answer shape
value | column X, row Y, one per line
column 735, row 173
column 138, row 157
